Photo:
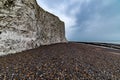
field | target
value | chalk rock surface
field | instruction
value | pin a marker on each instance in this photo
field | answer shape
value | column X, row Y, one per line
column 24, row 25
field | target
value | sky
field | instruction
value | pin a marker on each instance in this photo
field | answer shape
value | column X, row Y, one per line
column 87, row 20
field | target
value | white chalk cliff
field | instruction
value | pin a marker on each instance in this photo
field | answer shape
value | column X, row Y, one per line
column 24, row 25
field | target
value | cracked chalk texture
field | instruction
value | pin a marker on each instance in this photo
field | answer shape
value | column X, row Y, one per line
column 24, row 25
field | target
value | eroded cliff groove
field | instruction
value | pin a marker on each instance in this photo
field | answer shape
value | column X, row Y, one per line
column 24, row 25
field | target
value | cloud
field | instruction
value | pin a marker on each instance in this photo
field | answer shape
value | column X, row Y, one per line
column 87, row 20
column 66, row 10
column 98, row 22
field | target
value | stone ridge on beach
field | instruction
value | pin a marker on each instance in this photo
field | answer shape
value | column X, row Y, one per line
column 24, row 25
column 65, row 61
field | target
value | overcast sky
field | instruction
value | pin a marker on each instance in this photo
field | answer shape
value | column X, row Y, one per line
column 87, row 20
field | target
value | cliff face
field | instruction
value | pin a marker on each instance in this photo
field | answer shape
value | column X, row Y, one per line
column 24, row 25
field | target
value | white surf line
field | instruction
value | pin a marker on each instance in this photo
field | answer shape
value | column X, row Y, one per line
column 104, row 47
column 108, row 48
